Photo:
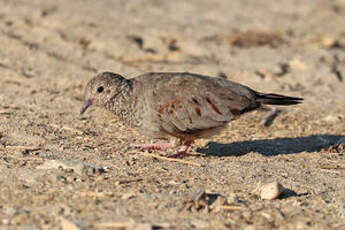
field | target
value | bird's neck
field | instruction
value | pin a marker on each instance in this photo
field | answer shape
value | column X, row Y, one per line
column 123, row 103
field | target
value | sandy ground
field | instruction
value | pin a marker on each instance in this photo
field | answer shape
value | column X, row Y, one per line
column 62, row 171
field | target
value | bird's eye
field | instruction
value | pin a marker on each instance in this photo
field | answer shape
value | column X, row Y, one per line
column 100, row 89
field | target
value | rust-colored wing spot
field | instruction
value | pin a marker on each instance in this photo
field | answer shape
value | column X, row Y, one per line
column 162, row 108
column 172, row 103
column 213, row 106
column 198, row 111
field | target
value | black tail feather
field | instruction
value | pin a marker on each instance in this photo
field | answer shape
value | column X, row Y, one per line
column 277, row 99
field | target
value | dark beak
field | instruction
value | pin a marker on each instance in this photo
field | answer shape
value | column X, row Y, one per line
column 86, row 105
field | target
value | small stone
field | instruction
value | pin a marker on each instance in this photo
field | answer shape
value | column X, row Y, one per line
column 271, row 191
column 78, row 167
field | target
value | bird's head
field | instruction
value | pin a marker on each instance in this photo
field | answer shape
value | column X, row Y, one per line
column 102, row 89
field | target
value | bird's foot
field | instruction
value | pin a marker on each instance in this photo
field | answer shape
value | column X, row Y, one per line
column 180, row 154
column 154, row 146
column 183, row 151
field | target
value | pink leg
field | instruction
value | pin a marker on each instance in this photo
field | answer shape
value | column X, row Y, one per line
column 183, row 151
column 155, row 146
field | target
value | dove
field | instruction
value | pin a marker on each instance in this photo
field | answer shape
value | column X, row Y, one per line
column 176, row 107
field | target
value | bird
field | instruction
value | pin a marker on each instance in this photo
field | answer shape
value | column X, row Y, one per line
column 176, row 107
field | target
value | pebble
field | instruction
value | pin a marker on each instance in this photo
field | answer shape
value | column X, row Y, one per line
column 78, row 167
column 271, row 191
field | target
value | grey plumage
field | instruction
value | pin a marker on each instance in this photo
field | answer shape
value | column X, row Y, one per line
column 182, row 105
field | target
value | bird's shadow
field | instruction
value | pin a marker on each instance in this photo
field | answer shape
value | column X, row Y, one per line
column 271, row 147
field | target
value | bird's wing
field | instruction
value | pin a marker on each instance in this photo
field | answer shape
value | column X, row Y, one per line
column 187, row 103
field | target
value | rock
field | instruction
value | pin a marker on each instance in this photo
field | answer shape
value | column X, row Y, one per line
column 78, row 167
column 271, row 191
